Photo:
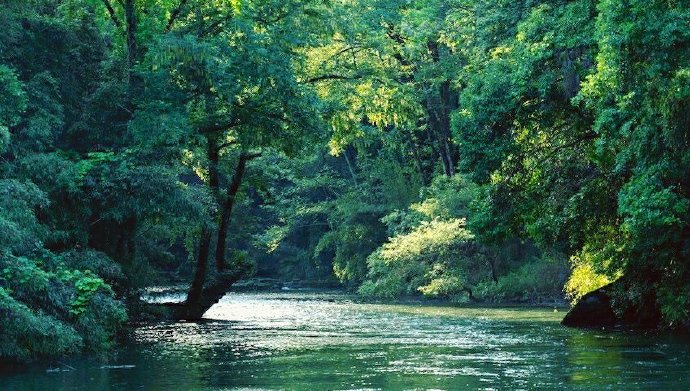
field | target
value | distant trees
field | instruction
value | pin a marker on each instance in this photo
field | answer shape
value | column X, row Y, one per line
column 566, row 116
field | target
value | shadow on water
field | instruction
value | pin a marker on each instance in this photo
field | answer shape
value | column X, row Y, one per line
column 328, row 342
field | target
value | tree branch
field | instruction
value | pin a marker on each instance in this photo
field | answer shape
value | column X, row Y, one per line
column 331, row 76
column 246, row 156
column 111, row 12
column 227, row 144
column 585, row 137
column 213, row 27
column 217, row 127
column 174, row 15
column 275, row 20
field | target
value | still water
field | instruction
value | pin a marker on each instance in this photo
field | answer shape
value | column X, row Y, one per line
column 303, row 341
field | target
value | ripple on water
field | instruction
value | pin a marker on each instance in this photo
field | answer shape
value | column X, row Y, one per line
column 310, row 341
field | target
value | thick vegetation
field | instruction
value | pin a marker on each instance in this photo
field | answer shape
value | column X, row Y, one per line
column 468, row 150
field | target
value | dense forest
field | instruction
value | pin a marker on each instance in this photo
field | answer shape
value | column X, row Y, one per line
column 475, row 151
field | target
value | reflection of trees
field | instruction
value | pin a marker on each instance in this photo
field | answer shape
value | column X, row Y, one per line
column 594, row 358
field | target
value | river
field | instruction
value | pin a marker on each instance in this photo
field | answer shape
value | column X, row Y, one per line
column 318, row 341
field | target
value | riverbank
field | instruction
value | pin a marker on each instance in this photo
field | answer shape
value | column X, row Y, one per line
column 177, row 293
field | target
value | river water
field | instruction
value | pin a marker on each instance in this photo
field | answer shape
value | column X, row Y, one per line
column 310, row 341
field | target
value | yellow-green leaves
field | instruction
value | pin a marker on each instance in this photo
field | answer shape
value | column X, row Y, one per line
column 583, row 279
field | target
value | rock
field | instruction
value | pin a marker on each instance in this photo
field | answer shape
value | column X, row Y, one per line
column 593, row 310
column 608, row 307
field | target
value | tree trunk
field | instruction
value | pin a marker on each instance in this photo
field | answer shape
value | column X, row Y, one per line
column 349, row 167
column 207, row 297
column 492, row 264
column 213, row 153
column 195, row 290
column 449, row 103
column 416, row 154
column 440, row 135
column 226, row 211
column 438, row 111
column 203, row 296
column 131, row 35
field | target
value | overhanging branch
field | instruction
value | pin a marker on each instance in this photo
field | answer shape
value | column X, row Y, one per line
column 111, row 13
column 174, row 15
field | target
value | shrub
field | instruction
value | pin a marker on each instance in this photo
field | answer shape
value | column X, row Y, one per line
column 536, row 281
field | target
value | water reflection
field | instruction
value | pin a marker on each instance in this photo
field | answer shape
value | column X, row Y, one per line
column 328, row 342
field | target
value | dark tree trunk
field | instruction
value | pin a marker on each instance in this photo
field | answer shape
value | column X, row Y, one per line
column 492, row 264
column 208, row 296
column 126, row 245
column 195, row 290
column 439, row 121
column 213, row 153
column 131, row 35
column 226, row 211
column 438, row 111
column 449, row 103
column 417, row 155
column 203, row 295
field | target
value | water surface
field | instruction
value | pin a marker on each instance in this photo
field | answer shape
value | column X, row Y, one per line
column 303, row 341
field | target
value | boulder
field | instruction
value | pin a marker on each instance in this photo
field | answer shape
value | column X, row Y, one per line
column 609, row 307
column 593, row 310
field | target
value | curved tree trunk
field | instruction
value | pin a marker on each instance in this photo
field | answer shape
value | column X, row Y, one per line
column 226, row 211
column 195, row 290
column 202, row 295
column 208, row 296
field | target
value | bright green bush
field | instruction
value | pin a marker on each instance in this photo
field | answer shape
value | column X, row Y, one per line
column 430, row 250
column 583, row 279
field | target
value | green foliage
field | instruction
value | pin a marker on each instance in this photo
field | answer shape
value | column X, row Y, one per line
column 573, row 120
column 537, row 281
column 86, row 287
column 430, row 250
column 641, row 122
column 76, row 309
column 29, row 334
column 420, row 261
column 20, row 232
column 583, row 279
column 12, row 104
column 468, row 141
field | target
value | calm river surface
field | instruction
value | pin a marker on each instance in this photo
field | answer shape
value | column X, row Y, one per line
column 303, row 341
